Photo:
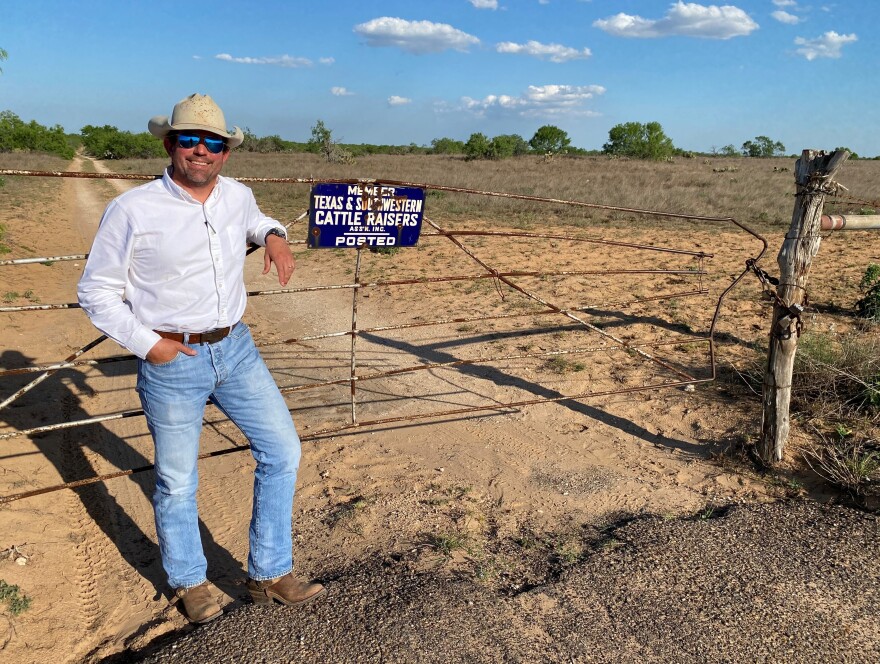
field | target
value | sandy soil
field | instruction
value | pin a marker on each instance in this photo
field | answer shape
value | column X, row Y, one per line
column 90, row 559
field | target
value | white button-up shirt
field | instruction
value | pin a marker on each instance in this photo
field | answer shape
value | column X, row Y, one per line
column 163, row 261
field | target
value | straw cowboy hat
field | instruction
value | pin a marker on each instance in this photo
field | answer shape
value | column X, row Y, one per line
column 196, row 112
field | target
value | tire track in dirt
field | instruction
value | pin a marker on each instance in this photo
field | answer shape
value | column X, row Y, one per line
column 89, row 554
column 84, row 195
column 97, row 562
column 111, row 522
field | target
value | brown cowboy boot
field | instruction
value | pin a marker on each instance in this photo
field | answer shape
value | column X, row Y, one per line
column 285, row 589
column 199, row 605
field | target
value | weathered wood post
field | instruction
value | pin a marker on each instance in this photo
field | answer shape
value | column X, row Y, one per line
column 814, row 176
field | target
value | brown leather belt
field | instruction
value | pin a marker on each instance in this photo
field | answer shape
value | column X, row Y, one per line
column 211, row 337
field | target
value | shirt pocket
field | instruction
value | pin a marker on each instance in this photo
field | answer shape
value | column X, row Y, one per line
column 150, row 260
column 147, row 246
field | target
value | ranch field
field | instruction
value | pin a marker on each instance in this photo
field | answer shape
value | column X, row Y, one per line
column 615, row 526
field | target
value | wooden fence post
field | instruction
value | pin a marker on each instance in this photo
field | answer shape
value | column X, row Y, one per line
column 814, row 177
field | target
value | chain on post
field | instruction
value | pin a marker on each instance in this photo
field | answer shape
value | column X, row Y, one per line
column 792, row 315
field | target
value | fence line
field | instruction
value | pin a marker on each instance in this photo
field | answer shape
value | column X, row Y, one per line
column 572, row 314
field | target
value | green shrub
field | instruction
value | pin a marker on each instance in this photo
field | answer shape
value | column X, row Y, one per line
column 108, row 142
column 639, row 141
column 478, row 146
column 509, row 145
column 17, row 602
column 16, row 135
column 447, row 146
column 869, row 305
column 267, row 144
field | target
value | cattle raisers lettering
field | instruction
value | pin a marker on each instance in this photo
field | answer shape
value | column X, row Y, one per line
column 364, row 215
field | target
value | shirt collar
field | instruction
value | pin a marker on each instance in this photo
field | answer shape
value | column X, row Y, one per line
column 179, row 192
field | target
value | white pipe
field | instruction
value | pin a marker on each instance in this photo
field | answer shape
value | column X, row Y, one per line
column 853, row 222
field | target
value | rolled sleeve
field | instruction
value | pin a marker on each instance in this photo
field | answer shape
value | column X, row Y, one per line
column 259, row 224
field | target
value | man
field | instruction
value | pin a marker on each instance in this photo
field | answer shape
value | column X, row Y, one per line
column 165, row 280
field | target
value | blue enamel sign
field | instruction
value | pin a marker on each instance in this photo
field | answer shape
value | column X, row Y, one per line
column 364, row 215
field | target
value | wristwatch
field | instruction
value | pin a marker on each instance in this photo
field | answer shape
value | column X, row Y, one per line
column 275, row 231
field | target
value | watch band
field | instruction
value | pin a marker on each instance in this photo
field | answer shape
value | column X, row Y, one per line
column 275, row 231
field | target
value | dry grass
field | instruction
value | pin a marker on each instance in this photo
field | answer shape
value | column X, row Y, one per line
column 20, row 196
column 749, row 190
column 852, row 465
column 32, row 161
column 838, row 375
column 757, row 191
column 836, row 387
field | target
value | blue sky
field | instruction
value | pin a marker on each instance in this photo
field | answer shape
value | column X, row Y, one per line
column 803, row 73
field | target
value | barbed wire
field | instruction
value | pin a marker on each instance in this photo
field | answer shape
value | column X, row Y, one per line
column 838, row 199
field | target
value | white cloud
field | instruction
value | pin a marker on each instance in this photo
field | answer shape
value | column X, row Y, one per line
column 277, row 61
column 414, row 36
column 327, row 61
column 538, row 101
column 484, row 4
column 785, row 17
column 552, row 52
column 394, row 100
column 338, row 91
column 687, row 19
column 826, row 46
column 784, row 3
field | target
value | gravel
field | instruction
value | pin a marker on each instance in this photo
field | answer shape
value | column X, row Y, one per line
column 792, row 582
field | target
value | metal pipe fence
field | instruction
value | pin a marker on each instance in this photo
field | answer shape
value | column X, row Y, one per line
column 574, row 317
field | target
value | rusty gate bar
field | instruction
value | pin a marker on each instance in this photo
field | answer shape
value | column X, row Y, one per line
column 549, row 236
column 73, row 257
column 27, row 388
column 382, row 328
column 418, row 185
column 323, row 433
column 251, row 249
column 589, row 326
column 125, row 414
column 482, row 360
column 375, row 375
column 354, row 330
column 399, row 282
column 65, row 365
column 45, row 259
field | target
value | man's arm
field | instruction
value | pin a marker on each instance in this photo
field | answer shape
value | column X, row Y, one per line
column 278, row 252
column 262, row 230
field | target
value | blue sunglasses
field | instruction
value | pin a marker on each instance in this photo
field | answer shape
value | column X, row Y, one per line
column 213, row 145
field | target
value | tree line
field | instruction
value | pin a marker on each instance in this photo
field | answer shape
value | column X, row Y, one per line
column 633, row 140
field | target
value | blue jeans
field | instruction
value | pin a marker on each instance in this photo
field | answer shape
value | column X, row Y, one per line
column 232, row 375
